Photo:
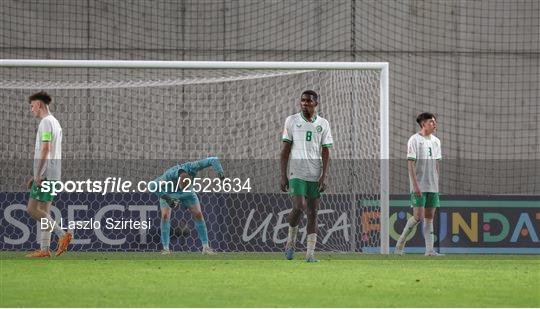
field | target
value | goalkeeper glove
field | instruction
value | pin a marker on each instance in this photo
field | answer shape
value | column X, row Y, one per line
column 171, row 202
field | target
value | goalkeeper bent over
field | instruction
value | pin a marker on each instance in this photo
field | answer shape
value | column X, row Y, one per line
column 186, row 198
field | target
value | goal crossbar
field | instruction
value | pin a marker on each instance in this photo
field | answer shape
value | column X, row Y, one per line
column 382, row 67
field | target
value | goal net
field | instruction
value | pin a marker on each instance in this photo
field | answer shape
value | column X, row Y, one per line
column 133, row 120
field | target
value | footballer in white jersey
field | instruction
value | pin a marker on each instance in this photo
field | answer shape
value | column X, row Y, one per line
column 49, row 131
column 423, row 155
column 425, row 151
column 307, row 140
column 47, row 158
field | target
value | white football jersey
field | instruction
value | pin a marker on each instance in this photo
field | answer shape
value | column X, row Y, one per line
column 425, row 151
column 49, row 131
column 307, row 139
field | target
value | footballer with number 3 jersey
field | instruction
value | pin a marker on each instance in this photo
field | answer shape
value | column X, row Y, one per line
column 306, row 142
column 423, row 155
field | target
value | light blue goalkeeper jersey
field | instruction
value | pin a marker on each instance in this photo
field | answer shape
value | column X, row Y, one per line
column 192, row 168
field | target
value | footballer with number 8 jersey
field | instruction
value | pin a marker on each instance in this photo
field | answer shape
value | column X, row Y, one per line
column 423, row 155
column 306, row 142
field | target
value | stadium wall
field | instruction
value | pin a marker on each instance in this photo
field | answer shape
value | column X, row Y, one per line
column 474, row 63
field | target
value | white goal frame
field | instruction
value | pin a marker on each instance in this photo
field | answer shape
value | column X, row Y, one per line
column 382, row 67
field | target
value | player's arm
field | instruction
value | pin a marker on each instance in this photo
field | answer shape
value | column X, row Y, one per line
column 183, row 180
column 283, row 161
column 161, row 192
column 287, row 138
column 43, row 155
column 411, row 165
column 327, row 143
column 325, row 161
column 438, row 158
column 170, row 201
column 213, row 162
column 46, row 139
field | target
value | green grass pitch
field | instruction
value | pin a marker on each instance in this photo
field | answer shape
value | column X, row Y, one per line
column 267, row 280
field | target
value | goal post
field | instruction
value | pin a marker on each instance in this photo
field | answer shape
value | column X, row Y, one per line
column 342, row 85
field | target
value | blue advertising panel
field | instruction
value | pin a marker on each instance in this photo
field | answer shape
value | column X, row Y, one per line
column 131, row 222
column 258, row 223
column 475, row 224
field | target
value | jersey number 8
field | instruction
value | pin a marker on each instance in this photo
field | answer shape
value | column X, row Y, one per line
column 308, row 136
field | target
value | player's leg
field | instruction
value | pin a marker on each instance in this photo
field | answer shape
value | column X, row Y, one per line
column 192, row 203
column 297, row 191
column 432, row 203
column 36, row 213
column 313, row 196
column 41, row 210
column 64, row 238
column 299, row 205
column 312, row 208
column 39, row 207
column 165, row 226
column 417, row 203
column 427, row 228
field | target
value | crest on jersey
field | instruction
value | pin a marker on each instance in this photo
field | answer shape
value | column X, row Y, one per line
column 298, row 125
column 319, row 129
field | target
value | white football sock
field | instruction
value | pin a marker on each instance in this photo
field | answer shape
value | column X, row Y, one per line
column 409, row 227
column 428, row 234
column 57, row 230
column 45, row 240
column 291, row 239
column 311, row 242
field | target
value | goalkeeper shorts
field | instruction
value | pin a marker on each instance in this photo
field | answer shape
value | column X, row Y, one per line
column 300, row 187
column 186, row 200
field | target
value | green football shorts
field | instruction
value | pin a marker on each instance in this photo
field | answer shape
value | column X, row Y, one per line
column 427, row 200
column 37, row 193
column 300, row 187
